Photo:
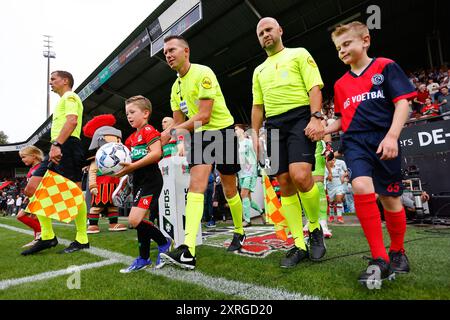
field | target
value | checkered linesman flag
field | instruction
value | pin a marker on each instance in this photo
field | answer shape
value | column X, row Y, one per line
column 56, row 197
column 274, row 209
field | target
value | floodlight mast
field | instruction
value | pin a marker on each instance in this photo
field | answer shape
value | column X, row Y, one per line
column 49, row 55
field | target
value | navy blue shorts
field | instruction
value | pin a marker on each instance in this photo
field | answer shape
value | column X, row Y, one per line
column 72, row 161
column 294, row 145
column 362, row 161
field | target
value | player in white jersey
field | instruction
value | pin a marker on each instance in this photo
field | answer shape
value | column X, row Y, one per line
column 335, row 172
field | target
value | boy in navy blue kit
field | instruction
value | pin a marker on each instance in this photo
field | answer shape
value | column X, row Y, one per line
column 371, row 101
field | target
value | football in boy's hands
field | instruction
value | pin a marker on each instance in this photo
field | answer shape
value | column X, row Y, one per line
column 109, row 158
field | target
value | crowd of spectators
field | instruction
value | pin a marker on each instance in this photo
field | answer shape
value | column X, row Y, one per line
column 432, row 93
column 433, row 98
column 12, row 198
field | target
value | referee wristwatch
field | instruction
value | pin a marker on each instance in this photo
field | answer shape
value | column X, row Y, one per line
column 317, row 115
column 56, row 144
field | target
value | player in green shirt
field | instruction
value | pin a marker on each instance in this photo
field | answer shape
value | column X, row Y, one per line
column 196, row 94
column 67, row 157
column 248, row 174
column 286, row 89
column 170, row 146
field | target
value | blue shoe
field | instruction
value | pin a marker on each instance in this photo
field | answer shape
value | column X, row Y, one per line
column 163, row 249
column 137, row 265
column 211, row 224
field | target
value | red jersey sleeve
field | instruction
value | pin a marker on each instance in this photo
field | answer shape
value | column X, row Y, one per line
column 150, row 135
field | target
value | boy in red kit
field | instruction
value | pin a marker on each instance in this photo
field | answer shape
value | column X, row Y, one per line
column 371, row 101
column 145, row 147
column 32, row 157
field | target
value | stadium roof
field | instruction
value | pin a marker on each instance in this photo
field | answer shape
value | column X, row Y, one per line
column 225, row 40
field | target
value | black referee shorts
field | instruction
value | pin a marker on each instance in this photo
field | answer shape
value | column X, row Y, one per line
column 71, row 161
column 286, row 139
column 215, row 147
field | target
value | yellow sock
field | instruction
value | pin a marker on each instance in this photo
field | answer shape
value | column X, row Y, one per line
column 311, row 203
column 293, row 214
column 46, row 228
column 81, row 224
column 194, row 213
column 235, row 204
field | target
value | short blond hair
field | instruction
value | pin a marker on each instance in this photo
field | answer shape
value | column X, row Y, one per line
column 142, row 102
column 32, row 151
column 358, row 27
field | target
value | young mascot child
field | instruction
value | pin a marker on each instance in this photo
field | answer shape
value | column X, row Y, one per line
column 372, row 102
column 145, row 146
column 32, row 157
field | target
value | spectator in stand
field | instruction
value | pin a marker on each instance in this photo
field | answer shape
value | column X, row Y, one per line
column 429, row 109
column 413, row 79
column 10, row 205
column 433, row 88
column 3, row 204
column 422, row 95
column 422, row 76
column 446, row 80
column 18, row 204
column 444, row 102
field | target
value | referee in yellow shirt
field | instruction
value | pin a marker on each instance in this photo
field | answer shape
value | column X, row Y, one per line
column 286, row 88
column 67, row 157
column 196, row 94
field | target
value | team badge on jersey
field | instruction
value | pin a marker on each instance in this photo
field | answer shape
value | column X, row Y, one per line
column 347, row 103
column 377, row 79
column 144, row 202
column 311, row 62
column 206, row 83
column 184, row 108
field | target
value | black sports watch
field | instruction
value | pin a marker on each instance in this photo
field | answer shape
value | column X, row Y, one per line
column 56, row 144
column 317, row 115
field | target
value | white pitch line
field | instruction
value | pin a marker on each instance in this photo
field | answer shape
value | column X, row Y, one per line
column 5, row 284
column 231, row 287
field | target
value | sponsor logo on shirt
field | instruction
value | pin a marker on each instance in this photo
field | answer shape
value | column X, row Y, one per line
column 311, row 62
column 347, row 103
column 364, row 97
column 206, row 83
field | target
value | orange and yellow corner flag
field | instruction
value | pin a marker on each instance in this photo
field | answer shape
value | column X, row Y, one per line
column 56, row 197
column 274, row 210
